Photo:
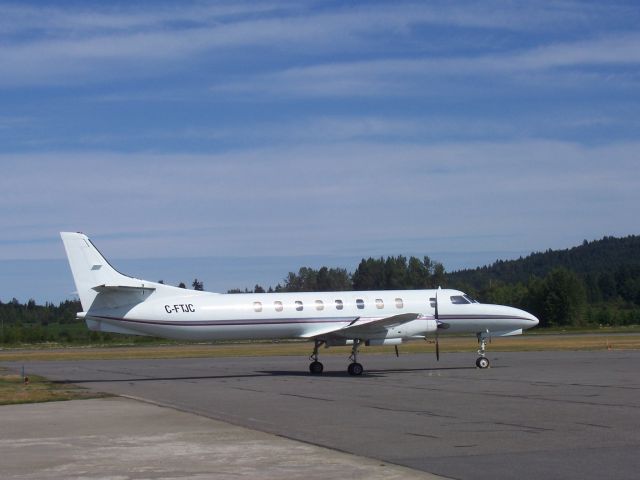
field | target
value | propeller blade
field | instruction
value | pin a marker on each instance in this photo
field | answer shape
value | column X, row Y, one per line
column 436, row 318
column 397, row 353
column 436, row 306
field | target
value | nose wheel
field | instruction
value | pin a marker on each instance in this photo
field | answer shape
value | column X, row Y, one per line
column 482, row 361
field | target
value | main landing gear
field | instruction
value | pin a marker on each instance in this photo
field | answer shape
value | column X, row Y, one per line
column 482, row 361
column 354, row 367
column 316, row 367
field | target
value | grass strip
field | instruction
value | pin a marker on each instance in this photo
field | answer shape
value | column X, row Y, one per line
column 447, row 344
column 14, row 390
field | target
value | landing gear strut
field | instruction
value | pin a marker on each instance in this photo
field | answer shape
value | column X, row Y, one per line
column 354, row 367
column 315, row 367
column 482, row 361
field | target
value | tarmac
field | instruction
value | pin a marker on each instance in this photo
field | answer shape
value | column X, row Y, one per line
column 122, row 439
column 532, row 415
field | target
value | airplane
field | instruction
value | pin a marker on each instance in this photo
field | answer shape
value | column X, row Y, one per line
column 113, row 302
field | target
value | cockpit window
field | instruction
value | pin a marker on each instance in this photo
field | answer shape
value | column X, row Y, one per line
column 458, row 300
column 471, row 299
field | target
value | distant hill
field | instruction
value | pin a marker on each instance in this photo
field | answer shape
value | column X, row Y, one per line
column 607, row 256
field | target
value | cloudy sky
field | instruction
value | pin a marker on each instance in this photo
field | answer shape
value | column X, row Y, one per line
column 196, row 134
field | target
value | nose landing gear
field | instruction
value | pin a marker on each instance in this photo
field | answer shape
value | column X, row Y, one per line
column 482, row 361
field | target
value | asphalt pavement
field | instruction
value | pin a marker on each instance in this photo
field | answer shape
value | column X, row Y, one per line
column 532, row 415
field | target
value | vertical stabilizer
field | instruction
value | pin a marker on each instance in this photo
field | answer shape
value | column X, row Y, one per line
column 89, row 268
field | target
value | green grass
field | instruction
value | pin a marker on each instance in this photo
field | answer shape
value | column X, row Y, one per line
column 14, row 390
column 585, row 329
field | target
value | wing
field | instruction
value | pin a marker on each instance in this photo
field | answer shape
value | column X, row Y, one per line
column 359, row 328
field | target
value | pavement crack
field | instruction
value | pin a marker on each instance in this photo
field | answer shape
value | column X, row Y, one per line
column 422, row 435
column 307, row 397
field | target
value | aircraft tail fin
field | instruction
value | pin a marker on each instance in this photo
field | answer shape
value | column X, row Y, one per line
column 94, row 276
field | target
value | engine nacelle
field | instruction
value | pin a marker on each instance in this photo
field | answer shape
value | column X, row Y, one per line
column 418, row 327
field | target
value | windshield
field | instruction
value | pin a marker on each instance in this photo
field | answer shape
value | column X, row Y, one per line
column 462, row 299
column 458, row 300
column 472, row 300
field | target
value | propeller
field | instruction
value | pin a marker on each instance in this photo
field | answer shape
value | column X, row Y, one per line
column 437, row 336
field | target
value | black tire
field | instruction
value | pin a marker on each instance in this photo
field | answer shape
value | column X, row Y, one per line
column 482, row 362
column 355, row 369
column 316, row 368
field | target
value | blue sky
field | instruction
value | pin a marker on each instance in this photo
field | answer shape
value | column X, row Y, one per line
column 271, row 133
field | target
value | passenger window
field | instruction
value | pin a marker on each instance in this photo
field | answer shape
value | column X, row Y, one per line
column 458, row 300
column 319, row 305
column 278, row 306
column 379, row 303
column 339, row 305
column 299, row 306
column 432, row 301
column 257, row 306
column 399, row 303
column 360, row 303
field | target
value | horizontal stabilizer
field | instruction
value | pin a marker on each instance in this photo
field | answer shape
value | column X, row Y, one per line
column 121, row 288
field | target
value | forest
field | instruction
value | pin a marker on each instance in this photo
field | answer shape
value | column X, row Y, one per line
column 594, row 284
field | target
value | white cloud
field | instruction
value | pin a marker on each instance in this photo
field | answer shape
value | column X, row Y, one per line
column 53, row 45
column 408, row 77
column 324, row 200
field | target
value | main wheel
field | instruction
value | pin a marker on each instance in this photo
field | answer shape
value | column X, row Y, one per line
column 316, row 368
column 355, row 369
column 482, row 362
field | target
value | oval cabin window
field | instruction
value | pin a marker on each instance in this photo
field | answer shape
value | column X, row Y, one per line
column 257, row 306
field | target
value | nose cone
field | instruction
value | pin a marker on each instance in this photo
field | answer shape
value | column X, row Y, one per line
column 531, row 320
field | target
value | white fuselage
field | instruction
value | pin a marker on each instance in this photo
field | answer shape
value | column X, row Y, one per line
column 192, row 315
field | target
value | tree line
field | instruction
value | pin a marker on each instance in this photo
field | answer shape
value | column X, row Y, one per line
column 573, row 287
